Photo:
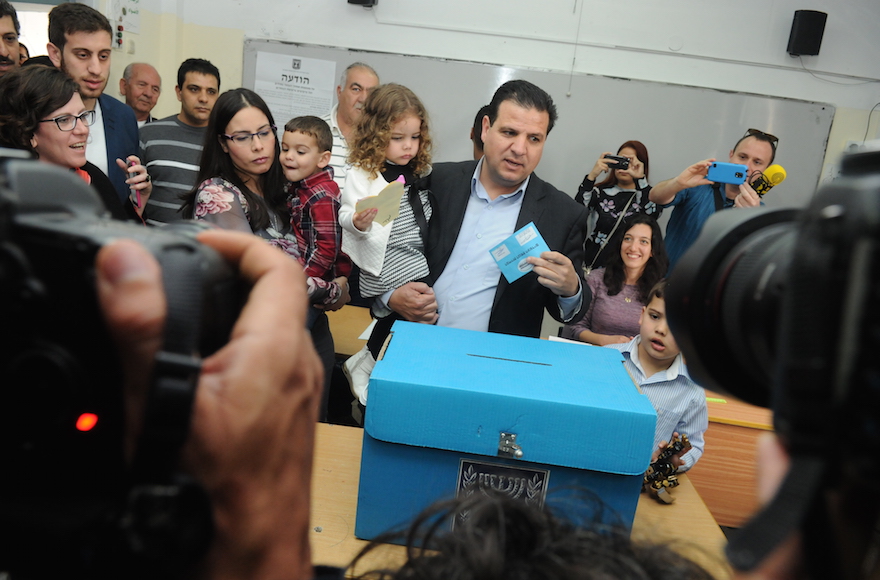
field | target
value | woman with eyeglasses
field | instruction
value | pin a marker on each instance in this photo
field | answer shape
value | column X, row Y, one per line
column 241, row 187
column 240, row 181
column 41, row 111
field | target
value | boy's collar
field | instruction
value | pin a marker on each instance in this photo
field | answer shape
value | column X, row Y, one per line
column 320, row 176
column 676, row 369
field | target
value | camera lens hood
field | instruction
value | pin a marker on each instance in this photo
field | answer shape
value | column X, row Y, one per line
column 723, row 300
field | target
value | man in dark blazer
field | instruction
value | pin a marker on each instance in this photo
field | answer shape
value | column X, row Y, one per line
column 80, row 44
column 478, row 204
column 121, row 139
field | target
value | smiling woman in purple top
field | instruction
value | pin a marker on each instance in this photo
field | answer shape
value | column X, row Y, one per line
column 620, row 288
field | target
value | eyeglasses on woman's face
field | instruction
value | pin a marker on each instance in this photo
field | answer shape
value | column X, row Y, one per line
column 247, row 138
column 68, row 122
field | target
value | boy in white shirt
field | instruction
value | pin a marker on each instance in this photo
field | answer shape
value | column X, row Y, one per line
column 655, row 362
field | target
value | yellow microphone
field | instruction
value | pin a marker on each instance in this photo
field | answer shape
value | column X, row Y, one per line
column 772, row 176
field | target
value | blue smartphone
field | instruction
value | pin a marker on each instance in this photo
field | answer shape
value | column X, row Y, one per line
column 732, row 173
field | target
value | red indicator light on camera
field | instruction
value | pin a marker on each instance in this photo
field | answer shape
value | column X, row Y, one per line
column 86, row 422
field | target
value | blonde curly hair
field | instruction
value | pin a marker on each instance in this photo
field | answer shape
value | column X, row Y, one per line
column 386, row 105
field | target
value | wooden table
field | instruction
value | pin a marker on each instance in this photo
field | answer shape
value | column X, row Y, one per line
column 687, row 522
column 725, row 475
column 346, row 324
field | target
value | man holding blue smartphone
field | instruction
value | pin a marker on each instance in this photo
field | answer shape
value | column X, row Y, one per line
column 696, row 197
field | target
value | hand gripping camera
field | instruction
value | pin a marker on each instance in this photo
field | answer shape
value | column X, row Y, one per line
column 71, row 505
column 781, row 308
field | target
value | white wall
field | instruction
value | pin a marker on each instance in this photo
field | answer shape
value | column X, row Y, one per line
column 729, row 46
column 736, row 46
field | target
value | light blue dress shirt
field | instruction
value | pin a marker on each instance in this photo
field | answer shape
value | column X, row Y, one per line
column 680, row 403
column 466, row 289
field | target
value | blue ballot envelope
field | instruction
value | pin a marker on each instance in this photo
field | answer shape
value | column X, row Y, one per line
column 511, row 254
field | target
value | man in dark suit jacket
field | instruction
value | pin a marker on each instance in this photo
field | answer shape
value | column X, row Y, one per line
column 80, row 44
column 121, row 139
column 478, row 205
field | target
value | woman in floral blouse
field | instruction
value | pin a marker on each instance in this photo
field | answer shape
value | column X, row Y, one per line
column 623, row 190
column 241, row 187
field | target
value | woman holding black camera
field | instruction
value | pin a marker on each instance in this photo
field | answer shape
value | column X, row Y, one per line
column 623, row 193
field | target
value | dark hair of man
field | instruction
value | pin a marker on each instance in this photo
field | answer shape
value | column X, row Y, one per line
column 197, row 65
column 70, row 17
column 7, row 9
column 641, row 154
column 505, row 539
column 27, row 96
column 477, row 134
column 527, row 96
column 655, row 268
column 217, row 163
column 761, row 137
column 313, row 127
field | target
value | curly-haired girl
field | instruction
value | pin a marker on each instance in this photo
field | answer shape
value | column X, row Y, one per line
column 391, row 143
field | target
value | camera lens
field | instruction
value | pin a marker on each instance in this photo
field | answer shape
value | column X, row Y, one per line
column 724, row 300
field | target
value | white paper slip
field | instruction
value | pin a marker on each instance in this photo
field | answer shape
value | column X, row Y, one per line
column 387, row 202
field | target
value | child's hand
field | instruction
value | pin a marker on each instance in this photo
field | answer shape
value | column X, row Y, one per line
column 676, row 459
column 362, row 220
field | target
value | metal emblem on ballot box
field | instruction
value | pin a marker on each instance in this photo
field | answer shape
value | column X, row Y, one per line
column 521, row 483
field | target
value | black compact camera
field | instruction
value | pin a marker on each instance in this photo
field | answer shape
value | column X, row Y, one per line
column 71, row 504
column 618, row 162
column 781, row 308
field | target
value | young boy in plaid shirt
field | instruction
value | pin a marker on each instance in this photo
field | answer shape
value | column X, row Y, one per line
column 313, row 198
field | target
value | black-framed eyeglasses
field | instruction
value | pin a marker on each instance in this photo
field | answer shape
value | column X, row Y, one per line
column 757, row 133
column 242, row 138
column 68, row 122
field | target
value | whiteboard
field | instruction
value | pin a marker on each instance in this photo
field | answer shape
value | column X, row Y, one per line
column 680, row 125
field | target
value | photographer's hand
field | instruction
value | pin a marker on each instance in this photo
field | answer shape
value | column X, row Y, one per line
column 747, row 197
column 636, row 168
column 664, row 192
column 600, row 167
column 252, row 432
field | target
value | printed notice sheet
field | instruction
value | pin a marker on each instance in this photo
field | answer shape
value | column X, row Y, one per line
column 511, row 254
column 294, row 85
column 387, row 202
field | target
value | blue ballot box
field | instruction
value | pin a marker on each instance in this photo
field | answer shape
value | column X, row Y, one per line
column 454, row 412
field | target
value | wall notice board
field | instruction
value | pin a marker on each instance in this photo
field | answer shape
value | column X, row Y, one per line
column 680, row 125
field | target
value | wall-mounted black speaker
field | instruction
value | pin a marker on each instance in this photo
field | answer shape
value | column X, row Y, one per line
column 364, row 3
column 806, row 32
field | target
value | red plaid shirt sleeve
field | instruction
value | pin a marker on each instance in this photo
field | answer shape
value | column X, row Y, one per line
column 316, row 224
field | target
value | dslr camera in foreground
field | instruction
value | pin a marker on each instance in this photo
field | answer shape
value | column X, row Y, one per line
column 71, row 505
column 780, row 308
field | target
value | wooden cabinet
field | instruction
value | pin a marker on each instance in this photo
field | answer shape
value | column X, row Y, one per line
column 725, row 475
